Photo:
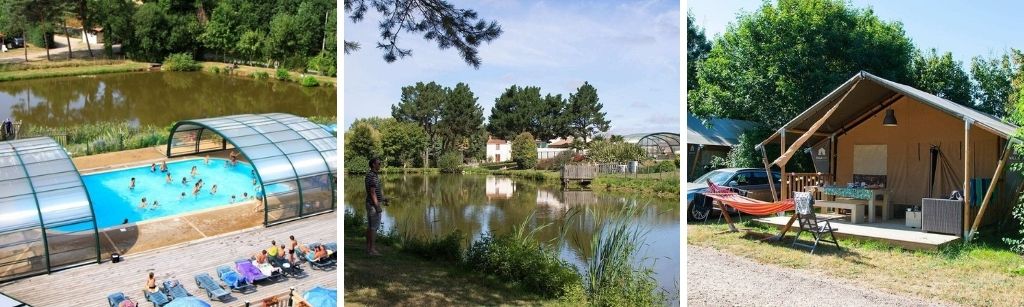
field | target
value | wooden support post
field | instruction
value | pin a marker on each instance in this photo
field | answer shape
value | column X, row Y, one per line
column 696, row 160
column 782, row 233
column 784, row 194
column 967, row 174
column 768, row 170
column 728, row 219
column 991, row 189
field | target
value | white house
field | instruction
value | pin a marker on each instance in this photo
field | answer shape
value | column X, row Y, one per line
column 498, row 150
column 499, row 188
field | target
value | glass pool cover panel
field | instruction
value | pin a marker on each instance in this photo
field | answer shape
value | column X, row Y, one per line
column 294, row 158
column 47, row 220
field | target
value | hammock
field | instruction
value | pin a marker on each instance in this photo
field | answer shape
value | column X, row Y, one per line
column 744, row 204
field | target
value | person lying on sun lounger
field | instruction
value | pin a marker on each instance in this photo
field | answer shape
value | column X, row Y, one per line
column 260, row 257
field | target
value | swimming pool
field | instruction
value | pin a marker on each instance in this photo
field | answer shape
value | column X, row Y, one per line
column 113, row 201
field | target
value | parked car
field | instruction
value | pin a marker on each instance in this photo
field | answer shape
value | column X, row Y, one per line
column 14, row 42
column 750, row 182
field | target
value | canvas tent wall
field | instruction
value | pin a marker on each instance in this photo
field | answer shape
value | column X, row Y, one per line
column 706, row 140
column 923, row 119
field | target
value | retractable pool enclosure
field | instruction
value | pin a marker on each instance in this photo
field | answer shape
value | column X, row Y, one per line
column 47, row 222
column 295, row 160
column 658, row 145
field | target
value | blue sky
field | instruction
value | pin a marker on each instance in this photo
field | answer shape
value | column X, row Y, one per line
column 629, row 51
column 965, row 28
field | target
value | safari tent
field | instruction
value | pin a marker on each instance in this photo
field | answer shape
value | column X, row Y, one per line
column 911, row 144
column 710, row 139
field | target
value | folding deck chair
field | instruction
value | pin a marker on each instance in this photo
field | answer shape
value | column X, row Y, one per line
column 810, row 223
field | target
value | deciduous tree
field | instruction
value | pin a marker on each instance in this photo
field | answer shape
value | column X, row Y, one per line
column 942, row 76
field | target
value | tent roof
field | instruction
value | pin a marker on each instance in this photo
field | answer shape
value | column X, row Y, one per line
column 723, row 131
column 869, row 94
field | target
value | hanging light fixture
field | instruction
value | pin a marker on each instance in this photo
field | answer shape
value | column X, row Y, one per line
column 890, row 118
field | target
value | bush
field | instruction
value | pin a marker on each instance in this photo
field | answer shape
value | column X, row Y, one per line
column 615, row 152
column 448, row 248
column 523, row 261
column 524, row 151
column 283, row 75
column 180, row 62
column 666, row 166
column 357, row 164
column 450, row 162
column 309, row 81
column 354, row 224
column 325, row 63
column 215, row 70
column 260, row 75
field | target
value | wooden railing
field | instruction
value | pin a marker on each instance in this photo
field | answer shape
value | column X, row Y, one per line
column 797, row 181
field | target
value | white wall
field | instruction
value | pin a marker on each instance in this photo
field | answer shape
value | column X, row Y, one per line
column 502, row 150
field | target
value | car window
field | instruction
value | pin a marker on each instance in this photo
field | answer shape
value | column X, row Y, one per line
column 742, row 179
column 758, row 178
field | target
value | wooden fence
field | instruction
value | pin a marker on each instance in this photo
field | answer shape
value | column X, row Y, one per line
column 797, row 181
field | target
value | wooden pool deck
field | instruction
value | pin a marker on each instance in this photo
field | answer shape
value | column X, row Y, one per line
column 90, row 284
column 893, row 232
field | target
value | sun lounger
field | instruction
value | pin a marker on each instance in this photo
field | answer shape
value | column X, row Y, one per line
column 249, row 271
column 157, row 298
column 332, row 247
column 115, row 299
column 235, row 281
column 213, row 290
column 287, row 268
column 174, row 288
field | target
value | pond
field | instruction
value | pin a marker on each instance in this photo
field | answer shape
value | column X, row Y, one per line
column 155, row 98
column 435, row 205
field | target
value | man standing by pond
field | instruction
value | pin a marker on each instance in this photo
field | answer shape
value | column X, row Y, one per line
column 374, row 198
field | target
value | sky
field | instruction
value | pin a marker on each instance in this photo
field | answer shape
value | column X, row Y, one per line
column 628, row 50
column 965, row 28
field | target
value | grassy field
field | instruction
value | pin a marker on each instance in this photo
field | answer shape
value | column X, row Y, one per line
column 247, row 71
column 399, row 279
column 974, row 275
column 36, row 70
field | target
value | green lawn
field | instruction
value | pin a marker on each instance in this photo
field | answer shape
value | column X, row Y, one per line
column 65, row 69
column 977, row 275
column 399, row 279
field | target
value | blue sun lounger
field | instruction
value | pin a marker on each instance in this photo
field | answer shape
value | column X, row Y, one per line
column 236, row 282
column 213, row 290
column 115, row 299
column 174, row 289
column 157, row 298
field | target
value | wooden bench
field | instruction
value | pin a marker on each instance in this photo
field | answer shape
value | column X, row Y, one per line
column 856, row 209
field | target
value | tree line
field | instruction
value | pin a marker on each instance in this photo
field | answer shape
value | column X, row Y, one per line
column 295, row 34
column 431, row 120
column 771, row 64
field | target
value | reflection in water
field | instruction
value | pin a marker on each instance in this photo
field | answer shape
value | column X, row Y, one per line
column 435, row 205
column 155, row 98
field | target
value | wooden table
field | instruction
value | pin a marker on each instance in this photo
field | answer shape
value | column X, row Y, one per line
column 879, row 197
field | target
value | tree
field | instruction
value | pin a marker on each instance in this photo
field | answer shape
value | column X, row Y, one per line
column 584, row 115
column 402, row 142
column 524, row 151
column 421, row 104
column 221, row 33
column 150, row 32
column 697, row 48
column 514, row 111
column 478, row 144
column 772, row 64
column 363, row 140
column 83, row 15
column 116, row 18
column 436, row 19
column 15, row 20
column 993, row 83
column 460, row 117
column 553, row 120
column 943, row 77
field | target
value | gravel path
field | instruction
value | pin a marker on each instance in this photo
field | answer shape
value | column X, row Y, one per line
column 715, row 278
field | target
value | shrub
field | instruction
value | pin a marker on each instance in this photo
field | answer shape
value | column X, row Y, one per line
column 283, row 75
column 450, row 162
column 354, row 224
column 357, row 164
column 215, row 70
column 260, row 75
column 309, row 81
column 615, row 152
column 180, row 62
column 325, row 63
column 448, row 248
column 523, row 261
column 524, row 151
column 666, row 166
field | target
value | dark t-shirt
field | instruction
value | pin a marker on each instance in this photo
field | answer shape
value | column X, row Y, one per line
column 373, row 181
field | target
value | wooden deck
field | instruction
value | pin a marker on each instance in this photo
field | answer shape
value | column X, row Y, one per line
column 89, row 285
column 893, row 232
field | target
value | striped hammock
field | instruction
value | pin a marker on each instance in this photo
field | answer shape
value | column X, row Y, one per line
column 747, row 205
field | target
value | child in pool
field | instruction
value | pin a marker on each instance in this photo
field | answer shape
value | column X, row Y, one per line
column 169, row 178
column 232, row 199
column 155, row 204
column 152, row 168
column 195, row 171
column 184, row 180
column 142, row 204
column 206, row 160
column 195, row 190
column 131, row 186
column 182, row 196
column 163, row 166
column 213, row 190
column 245, row 195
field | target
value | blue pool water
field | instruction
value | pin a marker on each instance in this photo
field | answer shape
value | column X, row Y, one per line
column 114, row 202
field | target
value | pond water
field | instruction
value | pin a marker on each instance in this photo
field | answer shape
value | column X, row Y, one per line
column 435, row 205
column 157, row 98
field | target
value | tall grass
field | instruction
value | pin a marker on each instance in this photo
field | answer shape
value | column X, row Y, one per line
column 614, row 275
column 102, row 137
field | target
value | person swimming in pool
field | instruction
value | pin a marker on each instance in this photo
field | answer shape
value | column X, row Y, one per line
column 182, row 196
column 245, row 195
column 213, row 190
column 206, row 160
column 131, row 186
column 169, row 178
column 195, row 191
column 195, row 171
column 155, row 204
column 152, row 168
column 142, row 204
column 184, row 180
column 200, row 183
column 163, row 166
column 232, row 199
column 254, row 183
